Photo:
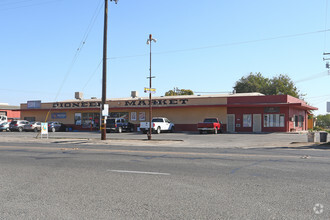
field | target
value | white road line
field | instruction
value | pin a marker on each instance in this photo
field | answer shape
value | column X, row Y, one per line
column 138, row 172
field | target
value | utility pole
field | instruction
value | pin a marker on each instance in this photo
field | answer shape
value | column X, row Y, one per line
column 150, row 39
column 104, row 72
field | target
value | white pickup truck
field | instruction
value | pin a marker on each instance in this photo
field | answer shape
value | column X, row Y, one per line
column 3, row 119
column 159, row 124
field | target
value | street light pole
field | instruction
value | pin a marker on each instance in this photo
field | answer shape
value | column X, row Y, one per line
column 150, row 39
column 104, row 73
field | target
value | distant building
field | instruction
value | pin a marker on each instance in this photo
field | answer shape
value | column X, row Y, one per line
column 241, row 112
column 12, row 112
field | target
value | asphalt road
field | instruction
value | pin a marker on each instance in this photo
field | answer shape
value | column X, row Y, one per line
column 66, row 178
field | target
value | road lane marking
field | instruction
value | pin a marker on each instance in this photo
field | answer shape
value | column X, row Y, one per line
column 139, row 172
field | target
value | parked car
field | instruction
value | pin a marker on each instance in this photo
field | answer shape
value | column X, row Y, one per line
column 159, row 124
column 17, row 125
column 33, row 126
column 4, row 126
column 54, row 126
column 119, row 125
column 210, row 125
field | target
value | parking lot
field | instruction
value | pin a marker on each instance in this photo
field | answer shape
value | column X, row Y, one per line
column 188, row 139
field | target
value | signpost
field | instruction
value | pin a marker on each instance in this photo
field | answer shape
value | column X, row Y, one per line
column 105, row 111
column 104, row 115
column 44, row 129
column 150, row 90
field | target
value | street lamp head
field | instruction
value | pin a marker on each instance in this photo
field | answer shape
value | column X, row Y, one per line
column 151, row 39
column 116, row 1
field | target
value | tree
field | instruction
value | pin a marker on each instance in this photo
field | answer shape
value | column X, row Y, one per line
column 281, row 84
column 177, row 91
column 253, row 83
column 323, row 121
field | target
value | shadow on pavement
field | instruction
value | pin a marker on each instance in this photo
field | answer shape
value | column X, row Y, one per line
column 325, row 146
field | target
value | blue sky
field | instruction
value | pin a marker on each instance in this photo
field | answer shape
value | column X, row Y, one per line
column 205, row 46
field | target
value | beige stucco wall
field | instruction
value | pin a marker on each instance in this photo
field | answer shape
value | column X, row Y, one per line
column 180, row 109
column 191, row 115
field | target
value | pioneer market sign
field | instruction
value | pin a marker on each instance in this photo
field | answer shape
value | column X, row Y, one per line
column 157, row 102
column 76, row 104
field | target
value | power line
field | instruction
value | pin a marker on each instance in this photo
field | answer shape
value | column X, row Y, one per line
column 14, row 3
column 27, row 91
column 30, row 5
column 225, row 44
column 313, row 97
column 213, row 92
column 325, row 24
column 81, row 45
column 92, row 75
column 315, row 76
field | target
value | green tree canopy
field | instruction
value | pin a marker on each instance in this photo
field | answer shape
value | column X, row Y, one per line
column 281, row 84
column 177, row 91
column 323, row 121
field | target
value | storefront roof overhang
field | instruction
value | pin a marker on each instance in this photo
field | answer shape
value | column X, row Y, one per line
column 126, row 108
column 236, row 105
column 9, row 107
column 253, row 105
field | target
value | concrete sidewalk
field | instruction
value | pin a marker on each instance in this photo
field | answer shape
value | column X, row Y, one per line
column 193, row 140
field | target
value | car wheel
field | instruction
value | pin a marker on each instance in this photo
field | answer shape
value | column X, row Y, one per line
column 145, row 131
column 35, row 129
column 53, row 129
column 158, row 130
column 201, row 132
column 20, row 129
column 120, row 129
column 131, row 129
column 172, row 129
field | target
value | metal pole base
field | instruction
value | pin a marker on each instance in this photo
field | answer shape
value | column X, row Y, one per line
column 149, row 136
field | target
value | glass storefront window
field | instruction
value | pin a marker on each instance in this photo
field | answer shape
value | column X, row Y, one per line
column 90, row 119
column 301, row 121
column 247, row 121
column 274, row 120
column 119, row 115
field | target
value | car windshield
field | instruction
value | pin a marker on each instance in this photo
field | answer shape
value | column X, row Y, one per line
column 157, row 120
column 210, row 120
column 111, row 121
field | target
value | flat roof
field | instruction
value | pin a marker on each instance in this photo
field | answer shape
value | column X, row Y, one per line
column 9, row 107
column 171, row 97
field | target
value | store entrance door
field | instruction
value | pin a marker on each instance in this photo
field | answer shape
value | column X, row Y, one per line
column 231, row 123
column 256, row 122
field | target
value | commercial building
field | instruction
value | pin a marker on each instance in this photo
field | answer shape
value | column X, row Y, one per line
column 241, row 112
column 10, row 111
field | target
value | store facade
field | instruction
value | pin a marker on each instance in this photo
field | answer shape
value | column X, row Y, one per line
column 11, row 112
column 237, row 112
column 276, row 113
